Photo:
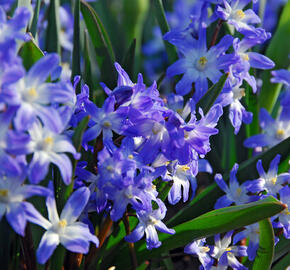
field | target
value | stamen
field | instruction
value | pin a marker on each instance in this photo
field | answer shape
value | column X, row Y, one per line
column 107, row 124
column 239, row 14
column 185, row 168
column 48, row 140
column 274, row 180
column 32, row 92
column 201, row 63
column 62, row 223
column 205, row 249
column 4, row 192
column 280, row 133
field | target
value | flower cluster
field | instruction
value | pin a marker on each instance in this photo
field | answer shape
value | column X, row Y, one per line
column 141, row 150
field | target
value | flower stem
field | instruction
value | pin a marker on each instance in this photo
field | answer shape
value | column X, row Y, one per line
column 216, row 32
column 131, row 245
column 102, row 237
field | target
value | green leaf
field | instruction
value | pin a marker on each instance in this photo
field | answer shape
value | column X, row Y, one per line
column 283, row 263
column 161, row 18
column 278, row 51
column 30, row 53
column 265, row 251
column 33, row 27
column 205, row 200
column 134, row 15
column 52, row 42
column 211, row 223
column 129, row 59
column 102, row 44
column 76, row 57
column 211, row 95
column 252, row 106
column 282, row 248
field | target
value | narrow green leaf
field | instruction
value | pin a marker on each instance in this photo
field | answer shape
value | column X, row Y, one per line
column 76, row 57
column 205, row 200
column 52, row 42
column 33, row 28
column 281, row 40
column 129, row 59
column 161, row 18
column 211, row 223
column 134, row 15
column 211, row 95
column 30, row 53
column 252, row 106
column 284, row 263
column 100, row 39
column 265, row 251
column 282, row 248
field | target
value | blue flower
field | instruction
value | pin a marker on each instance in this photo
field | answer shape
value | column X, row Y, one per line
column 233, row 13
column 275, row 131
column 192, row 138
column 199, row 63
column 12, row 195
column 199, row 248
column 33, row 95
column 252, row 232
column 12, row 29
column 148, row 223
column 284, row 216
column 231, row 95
column 64, row 229
column 226, row 254
column 270, row 181
column 249, row 60
column 281, row 76
column 105, row 120
column 235, row 193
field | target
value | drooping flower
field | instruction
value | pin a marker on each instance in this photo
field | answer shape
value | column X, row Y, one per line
column 252, row 232
column 199, row 248
column 64, row 229
column 148, row 223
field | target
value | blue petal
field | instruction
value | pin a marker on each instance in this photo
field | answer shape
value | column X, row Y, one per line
column 258, row 140
column 137, row 234
column 64, row 165
column 48, row 244
column 75, row 204
column 260, row 61
column 40, row 71
column 38, row 168
column 16, row 217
